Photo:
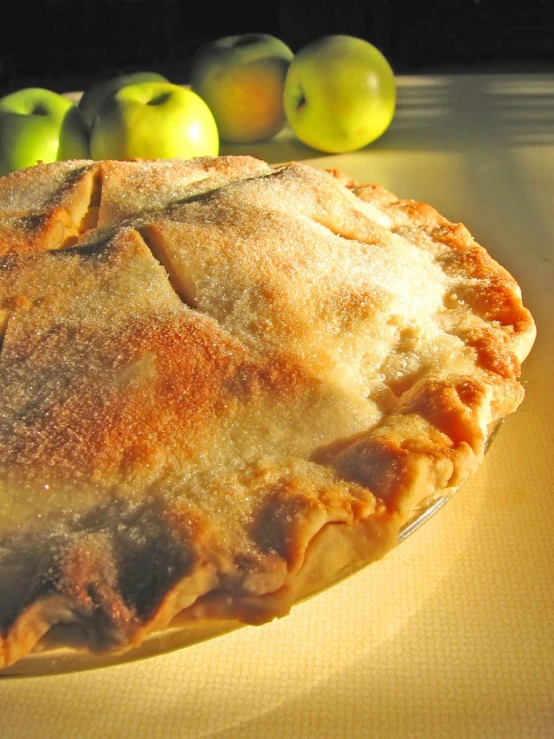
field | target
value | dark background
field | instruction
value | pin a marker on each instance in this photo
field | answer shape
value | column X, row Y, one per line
column 69, row 44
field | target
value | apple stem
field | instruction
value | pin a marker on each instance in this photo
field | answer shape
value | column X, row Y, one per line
column 302, row 101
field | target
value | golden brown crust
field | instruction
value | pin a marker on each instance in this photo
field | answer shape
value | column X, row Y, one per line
column 479, row 282
column 222, row 383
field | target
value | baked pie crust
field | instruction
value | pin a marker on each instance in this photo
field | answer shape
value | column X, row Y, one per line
column 223, row 382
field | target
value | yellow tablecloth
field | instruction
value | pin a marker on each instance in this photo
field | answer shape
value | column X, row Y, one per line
column 451, row 635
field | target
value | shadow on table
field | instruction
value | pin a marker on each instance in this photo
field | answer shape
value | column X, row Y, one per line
column 442, row 113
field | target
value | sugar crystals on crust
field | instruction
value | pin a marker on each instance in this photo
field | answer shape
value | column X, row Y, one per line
column 223, row 382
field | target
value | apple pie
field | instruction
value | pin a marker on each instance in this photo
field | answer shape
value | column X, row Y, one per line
column 222, row 383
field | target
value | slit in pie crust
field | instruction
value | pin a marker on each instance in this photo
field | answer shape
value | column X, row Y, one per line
column 222, row 382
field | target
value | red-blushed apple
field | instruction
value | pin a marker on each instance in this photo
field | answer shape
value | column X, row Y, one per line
column 95, row 94
column 241, row 78
column 39, row 125
column 153, row 120
column 340, row 94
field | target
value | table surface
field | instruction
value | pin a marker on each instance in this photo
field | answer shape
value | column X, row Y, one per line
column 452, row 634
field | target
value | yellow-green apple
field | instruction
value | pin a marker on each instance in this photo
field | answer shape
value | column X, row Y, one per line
column 94, row 95
column 153, row 120
column 39, row 125
column 340, row 93
column 241, row 78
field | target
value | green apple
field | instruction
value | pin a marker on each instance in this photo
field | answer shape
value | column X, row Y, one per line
column 241, row 78
column 92, row 97
column 340, row 94
column 39, row 125
column 153, row 120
